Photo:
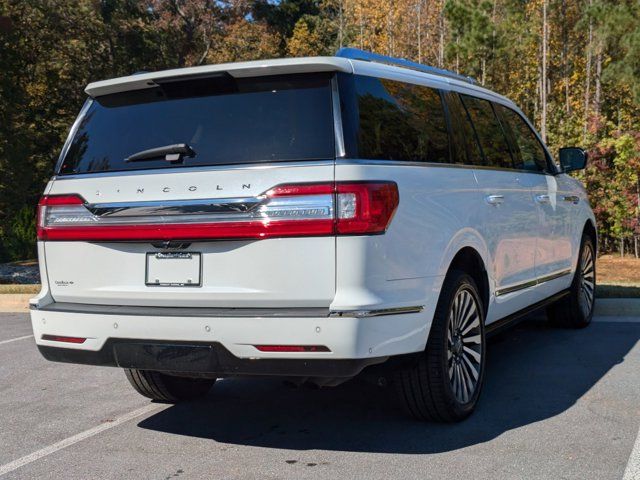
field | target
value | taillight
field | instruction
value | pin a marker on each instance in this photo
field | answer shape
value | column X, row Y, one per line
column 365, row 207
column 313, row 209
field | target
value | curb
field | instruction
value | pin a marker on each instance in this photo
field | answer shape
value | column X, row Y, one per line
column 15, row 302
column 613, row 307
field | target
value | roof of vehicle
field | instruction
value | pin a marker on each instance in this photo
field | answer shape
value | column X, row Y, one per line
column 445, row 80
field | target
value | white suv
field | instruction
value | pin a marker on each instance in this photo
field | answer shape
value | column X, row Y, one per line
column 306, row 218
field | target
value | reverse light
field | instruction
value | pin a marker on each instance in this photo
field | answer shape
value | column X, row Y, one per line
column 312, row 209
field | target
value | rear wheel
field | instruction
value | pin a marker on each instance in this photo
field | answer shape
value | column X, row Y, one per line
column 576, row 309
column 167, row 388
column 445, row 382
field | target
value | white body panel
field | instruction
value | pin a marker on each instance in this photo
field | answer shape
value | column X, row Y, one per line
column 345, row 337
column 523, row 245
column 247, row 273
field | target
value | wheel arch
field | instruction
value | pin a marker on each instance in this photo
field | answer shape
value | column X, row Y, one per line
column 590, row 229
column 469, row 260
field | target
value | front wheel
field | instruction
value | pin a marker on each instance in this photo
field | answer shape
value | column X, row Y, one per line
column 444, row 383
column 167, row 388
column 576, row 309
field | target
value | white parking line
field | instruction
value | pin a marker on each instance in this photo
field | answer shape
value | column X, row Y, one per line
column 632, row 471
column 32, row 457
column 15, row 339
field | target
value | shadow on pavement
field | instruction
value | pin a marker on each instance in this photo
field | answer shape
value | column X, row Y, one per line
column 534, row 372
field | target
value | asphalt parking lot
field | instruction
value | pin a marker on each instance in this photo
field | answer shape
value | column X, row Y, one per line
column 557, row 404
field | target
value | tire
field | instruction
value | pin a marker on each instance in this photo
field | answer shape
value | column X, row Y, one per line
column 576, row 309
column 432, row 388
column 166, row 388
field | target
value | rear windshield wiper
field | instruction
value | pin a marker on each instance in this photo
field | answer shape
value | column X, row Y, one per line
column 171, row 153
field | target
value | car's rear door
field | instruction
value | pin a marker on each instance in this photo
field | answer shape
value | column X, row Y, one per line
column 555, row 203
column 509, row 220
column 239, row 214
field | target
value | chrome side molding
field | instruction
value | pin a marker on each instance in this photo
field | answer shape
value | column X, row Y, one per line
column 376, row 313
column 532, row 283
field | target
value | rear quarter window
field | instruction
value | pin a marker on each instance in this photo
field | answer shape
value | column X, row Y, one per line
column 400, row 121
column 224, row 120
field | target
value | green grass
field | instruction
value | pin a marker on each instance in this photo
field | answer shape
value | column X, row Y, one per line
column 11, row 288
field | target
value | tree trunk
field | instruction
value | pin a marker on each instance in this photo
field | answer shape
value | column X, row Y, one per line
column 419, row 31
column 543, row 83
column 587, row 87
column 565, row 57
column 484, row 70
column 635, row 246
column 493, row 32
column 622, row 247
column 341, row 24
column 390, row 34
column 598, row 94
column 361, row 30
column 441, row 47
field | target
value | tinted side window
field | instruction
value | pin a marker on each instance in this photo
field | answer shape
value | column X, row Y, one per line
column 400, row 121
column 466, row 151
column 490, row 134
column 531, row 153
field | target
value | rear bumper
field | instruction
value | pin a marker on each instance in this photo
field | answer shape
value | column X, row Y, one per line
column 205, row 358
column 193, row 340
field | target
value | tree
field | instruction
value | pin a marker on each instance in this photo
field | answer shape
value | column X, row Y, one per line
column 573, row 67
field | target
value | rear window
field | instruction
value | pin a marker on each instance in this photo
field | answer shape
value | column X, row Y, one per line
column 223, row 120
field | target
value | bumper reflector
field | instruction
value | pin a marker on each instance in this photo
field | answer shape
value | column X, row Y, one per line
column 292, row 348
column 59, row 338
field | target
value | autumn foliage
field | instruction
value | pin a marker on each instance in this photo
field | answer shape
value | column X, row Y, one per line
column 572, row 65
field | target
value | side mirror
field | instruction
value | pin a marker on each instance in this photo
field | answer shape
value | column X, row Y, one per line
column 572, row 158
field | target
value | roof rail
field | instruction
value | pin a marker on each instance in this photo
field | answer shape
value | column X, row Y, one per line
column 356, row 54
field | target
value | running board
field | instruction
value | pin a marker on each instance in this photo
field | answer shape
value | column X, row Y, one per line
column 511, row 320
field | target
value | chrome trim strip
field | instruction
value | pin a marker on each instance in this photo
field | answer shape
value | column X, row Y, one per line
column 376, row 313
column 532, row 283
column 553, row 276
column 175, row 207
column 516, row 288
column 84, row 308
column 337, row 118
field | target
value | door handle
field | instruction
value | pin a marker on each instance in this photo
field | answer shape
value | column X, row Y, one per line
column 572, row 198
column 494, row 199
column 544, row 198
